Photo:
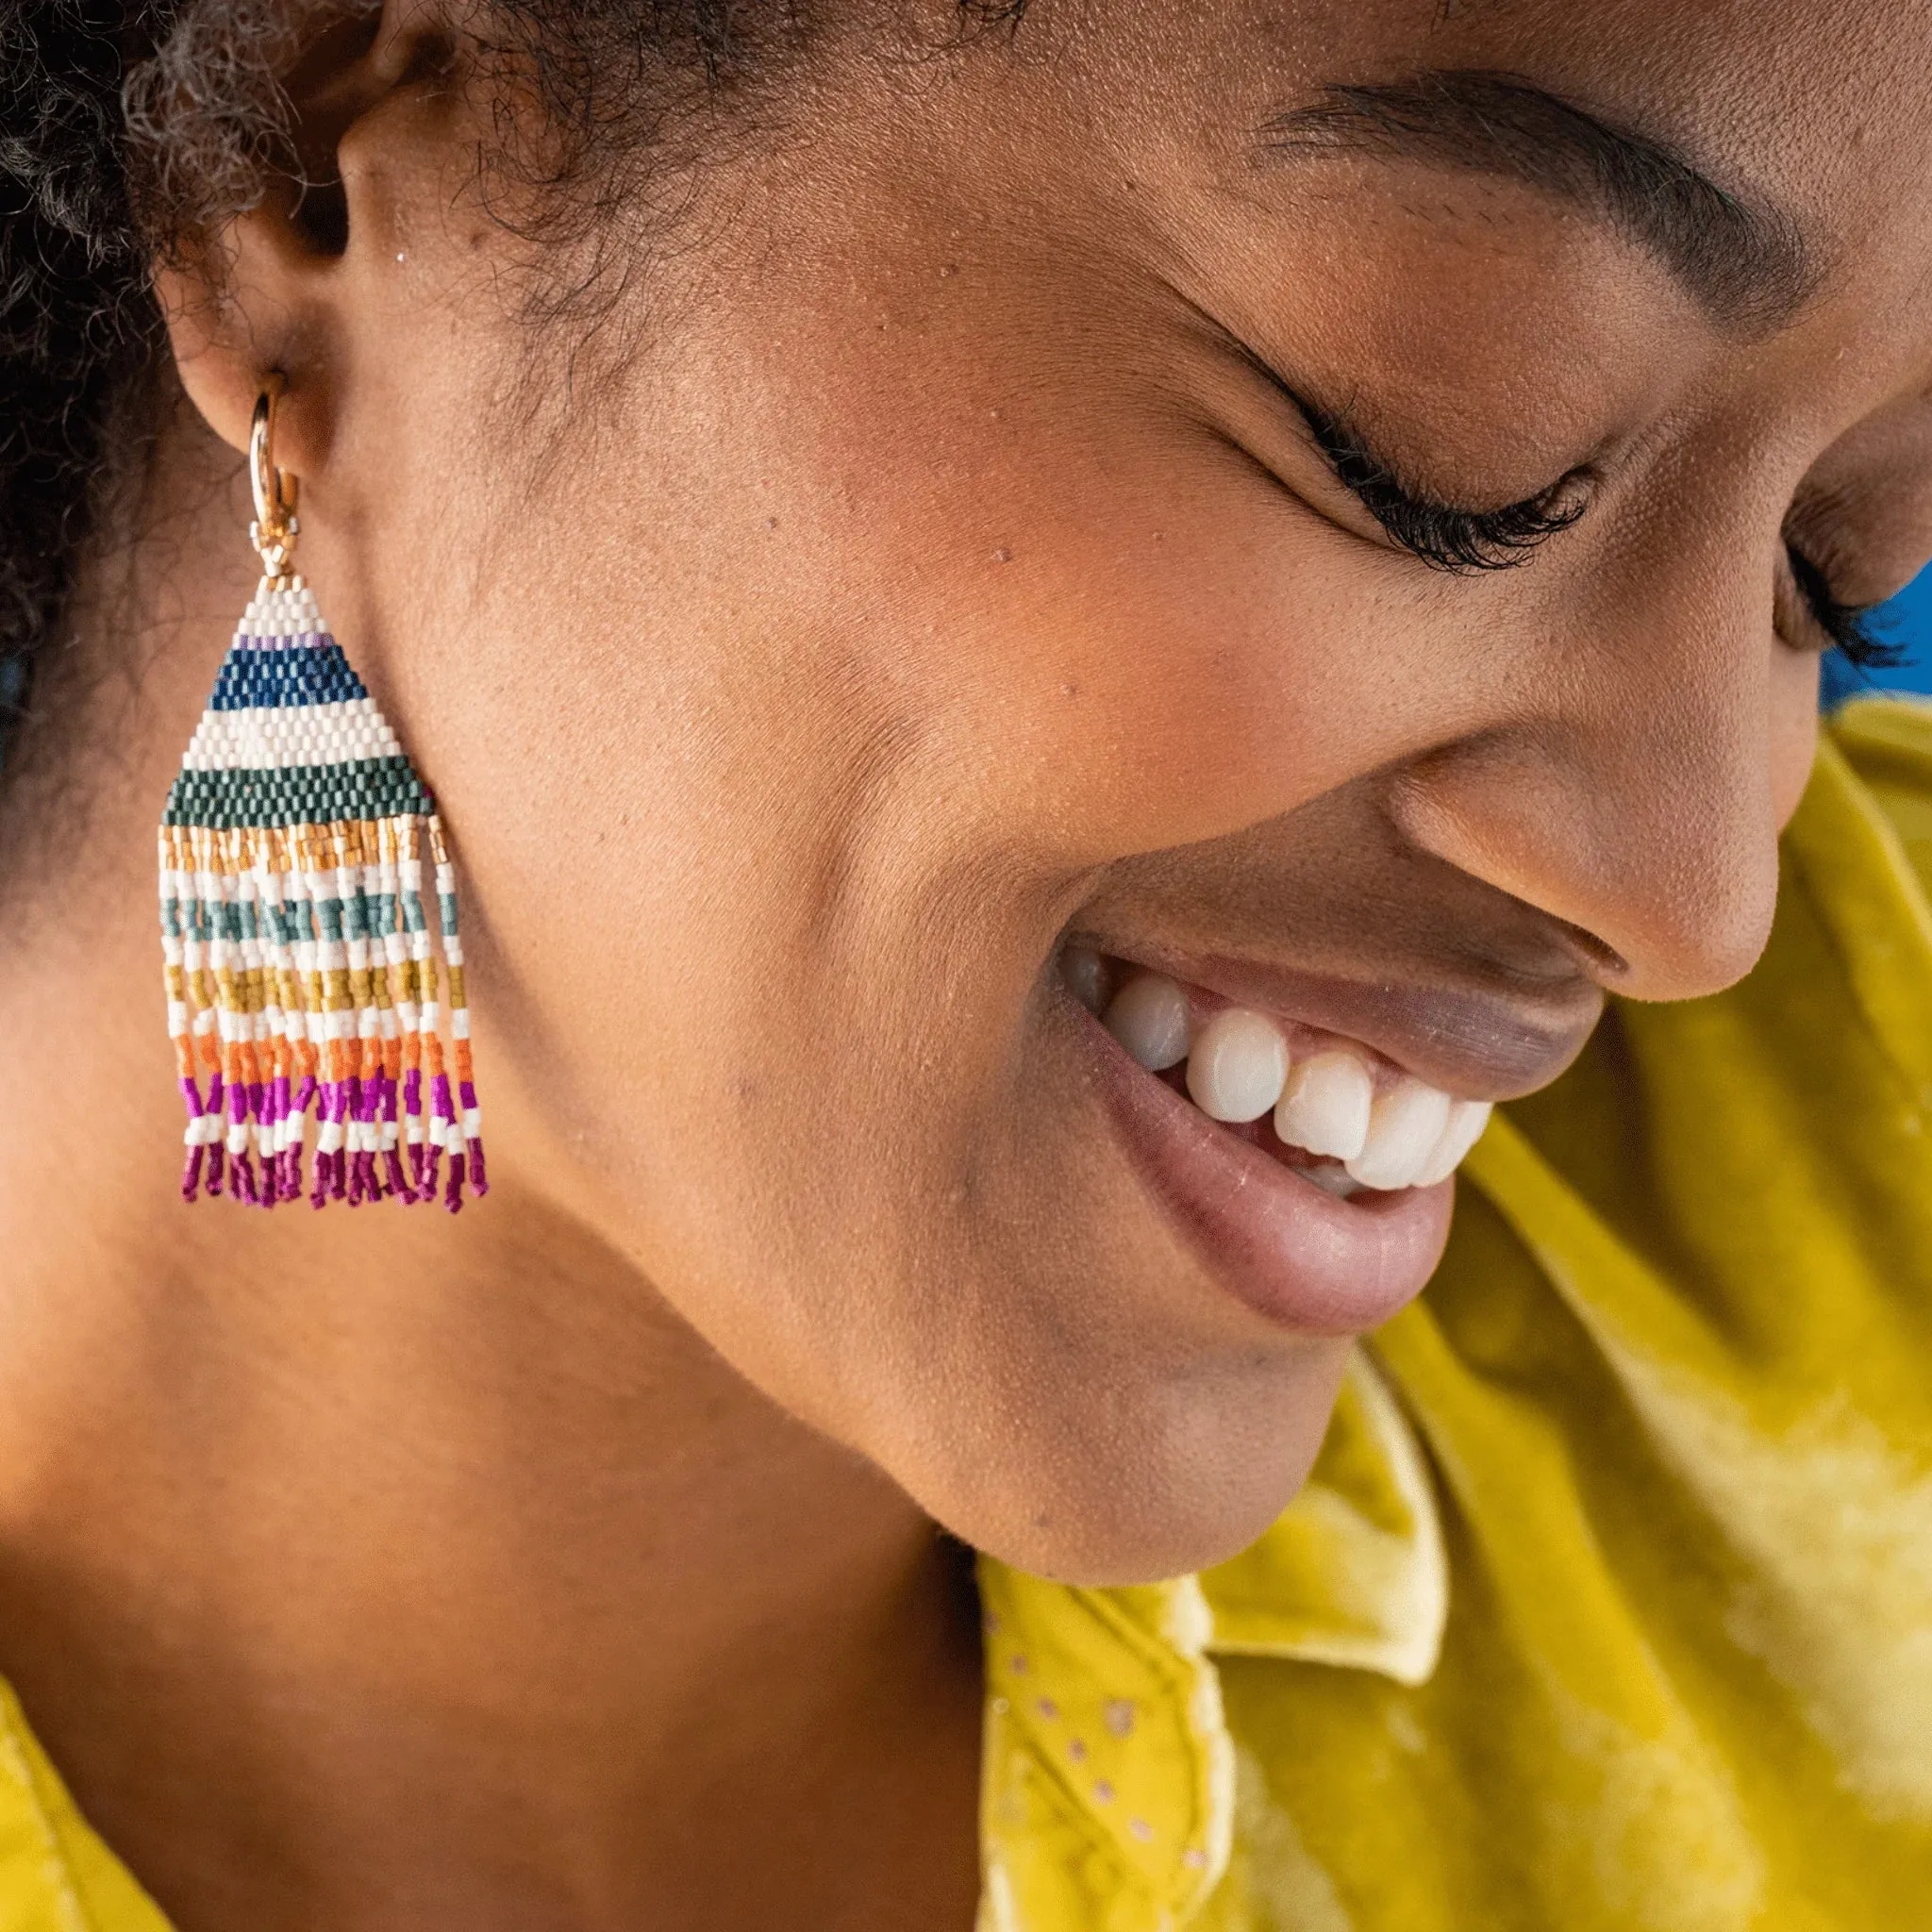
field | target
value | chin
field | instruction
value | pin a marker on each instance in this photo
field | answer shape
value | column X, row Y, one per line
column 1119, row 1482
column 1129, row 1378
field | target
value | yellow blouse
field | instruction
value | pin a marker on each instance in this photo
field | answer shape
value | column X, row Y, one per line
column 1609, row 1603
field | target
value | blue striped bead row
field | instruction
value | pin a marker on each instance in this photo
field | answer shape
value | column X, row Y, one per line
column 314, row 673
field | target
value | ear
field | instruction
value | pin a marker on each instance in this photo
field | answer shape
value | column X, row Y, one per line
column 302, row 282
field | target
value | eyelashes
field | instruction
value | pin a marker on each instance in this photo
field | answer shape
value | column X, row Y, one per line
column 1445, row 537
column 1460, row 541
column 1848, row 626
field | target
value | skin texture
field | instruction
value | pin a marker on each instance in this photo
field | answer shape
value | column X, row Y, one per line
column 906, row 572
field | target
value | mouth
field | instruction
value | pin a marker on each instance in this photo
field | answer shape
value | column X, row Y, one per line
column 1305, row 1167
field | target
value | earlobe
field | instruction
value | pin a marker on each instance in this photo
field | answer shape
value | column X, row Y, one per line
column 267, row 291
column 228, row 336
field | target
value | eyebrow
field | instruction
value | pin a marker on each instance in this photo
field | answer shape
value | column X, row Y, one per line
column 1745, row 263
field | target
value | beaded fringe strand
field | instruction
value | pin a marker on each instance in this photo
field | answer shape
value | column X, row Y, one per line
column 301, row 967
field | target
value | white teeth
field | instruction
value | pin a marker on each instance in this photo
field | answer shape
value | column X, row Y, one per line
column 1325, row 1106
column 1404, row 1125
column 1411, row 1135
column 1238, row 1065
column 1149, row 1017
column 1467, row 1120
column 1085, row 972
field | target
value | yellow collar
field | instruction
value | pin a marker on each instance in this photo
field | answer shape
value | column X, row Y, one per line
column 1104, row 1713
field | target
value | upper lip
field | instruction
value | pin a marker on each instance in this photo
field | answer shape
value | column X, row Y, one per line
column 1477, row 1043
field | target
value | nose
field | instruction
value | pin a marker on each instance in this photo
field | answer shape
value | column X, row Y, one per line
column 1638, row 797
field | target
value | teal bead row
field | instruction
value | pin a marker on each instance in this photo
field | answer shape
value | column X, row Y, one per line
column 360, row 916
column 298, row 795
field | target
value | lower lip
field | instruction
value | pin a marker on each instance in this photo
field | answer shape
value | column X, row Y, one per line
column 1303, row 1258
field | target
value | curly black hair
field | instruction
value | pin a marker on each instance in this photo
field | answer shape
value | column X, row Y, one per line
column 76, row 321
column 126, row 126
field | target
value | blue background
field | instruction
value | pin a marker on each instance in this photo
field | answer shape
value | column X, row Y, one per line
column 1906, row 621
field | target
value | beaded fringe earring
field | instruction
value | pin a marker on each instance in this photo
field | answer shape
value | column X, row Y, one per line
column 300, row 963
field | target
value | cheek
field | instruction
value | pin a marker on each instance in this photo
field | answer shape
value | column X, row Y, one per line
column 1163, row 654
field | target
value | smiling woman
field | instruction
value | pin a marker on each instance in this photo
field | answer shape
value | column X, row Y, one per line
column 1053, row 646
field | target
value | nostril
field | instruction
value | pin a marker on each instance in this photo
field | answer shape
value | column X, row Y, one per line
column 1600, row 959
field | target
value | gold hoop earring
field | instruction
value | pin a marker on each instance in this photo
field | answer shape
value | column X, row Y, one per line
column 296, row 850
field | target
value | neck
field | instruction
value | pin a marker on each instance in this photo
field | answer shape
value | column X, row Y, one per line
column 384, row 1568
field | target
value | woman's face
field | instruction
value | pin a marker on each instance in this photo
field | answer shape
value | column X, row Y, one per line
column 940, row 567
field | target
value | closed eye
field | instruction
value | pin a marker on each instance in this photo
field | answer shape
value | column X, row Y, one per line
column 1445, row 537
column 1848, row 627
